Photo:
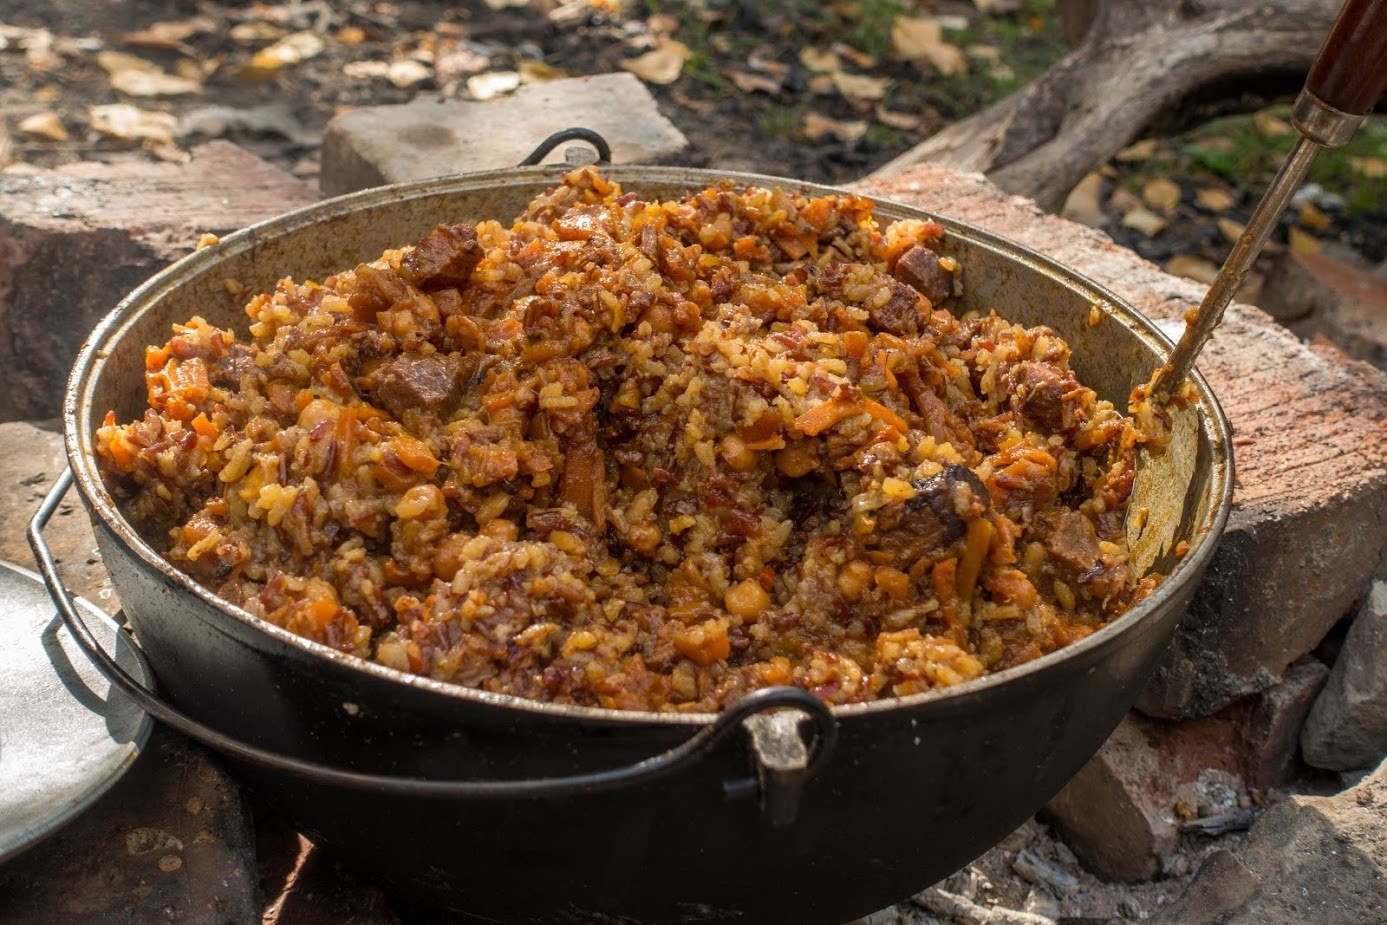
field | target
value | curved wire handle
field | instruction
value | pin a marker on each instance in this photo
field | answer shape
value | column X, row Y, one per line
column 645, row 771
column 541, row 151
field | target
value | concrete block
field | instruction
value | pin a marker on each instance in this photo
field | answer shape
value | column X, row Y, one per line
column 376, row 145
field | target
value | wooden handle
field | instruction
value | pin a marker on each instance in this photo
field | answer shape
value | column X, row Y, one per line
column 1350, row 73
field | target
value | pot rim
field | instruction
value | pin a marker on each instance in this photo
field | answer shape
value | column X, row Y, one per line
column 88, row 366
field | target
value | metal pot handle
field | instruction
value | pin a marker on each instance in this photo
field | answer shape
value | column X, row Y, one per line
column 784, row 760
column 604, row 150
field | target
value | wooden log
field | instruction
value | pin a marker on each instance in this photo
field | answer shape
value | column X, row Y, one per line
column 1138, row 63
column 1306, row 529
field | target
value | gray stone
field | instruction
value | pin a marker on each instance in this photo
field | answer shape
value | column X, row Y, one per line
column 376, row 145
column 74, row 241
column 1308, row 859
column 171, row 842
column 1274, row 722
column 1332, row 295
column 1347, row 726
column 31, row 459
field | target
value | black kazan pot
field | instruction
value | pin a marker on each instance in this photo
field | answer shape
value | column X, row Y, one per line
column 505, row 810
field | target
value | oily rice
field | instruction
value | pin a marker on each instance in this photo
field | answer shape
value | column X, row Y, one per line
column 642, row 455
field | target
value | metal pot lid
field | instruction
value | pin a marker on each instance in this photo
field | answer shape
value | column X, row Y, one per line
column 65, row 735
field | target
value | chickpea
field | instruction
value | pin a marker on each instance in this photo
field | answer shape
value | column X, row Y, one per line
column 797, row 459
column 420, row 501
column 501, row 529
column 854, row 579
column 448, row 556
column 739, row 457
column 747, row 599
column 894, row 582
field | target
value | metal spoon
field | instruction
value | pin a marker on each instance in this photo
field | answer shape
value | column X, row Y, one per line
column 1347, row 79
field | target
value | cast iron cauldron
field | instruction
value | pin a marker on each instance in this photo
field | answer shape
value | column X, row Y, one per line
column 506, row 810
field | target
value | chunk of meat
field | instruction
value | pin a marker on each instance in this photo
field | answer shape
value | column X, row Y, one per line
column 900, row 314
column 443, row 259
column 919, row 268
column 1038, row 392
column 936, row 518
column 226, row 370
column 429, row 383
column 1071, row 540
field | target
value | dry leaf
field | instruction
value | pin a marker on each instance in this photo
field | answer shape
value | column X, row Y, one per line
column 997, row 6
column 923, row 40
column 169, row 35
column 662, row 24
column 1230, row 230
column 660, row 66
column 130, row 123
column 134, row 76
column 351, row 35
column 293, row 49
column 1140, row 151
column 904, row 121
column 819, row 60
column 1144, row 221
column 1162, row 194
column 1302, row 242
column 1085, row 202
column 505, row 4
column 1374, row 168
column 1311, row 215
column 492, row 84
column 820, row 84
column 253, row 33
column 989, row 53
column 762, row 59
column 537, row 72
column 1123, row 200
column 50, row 93
column 753, row 83
column 47, row 126
column 39, row 52
column 1190, row 267
column 459, row 62
column 817, row 128
column 1214, row 199
column 860, row 86
column 1270, row 125
column 407, row 73
column 856, row 57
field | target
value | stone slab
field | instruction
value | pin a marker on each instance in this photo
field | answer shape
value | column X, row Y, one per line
column 72, row 243
column 1307, row 526
column 1347, row 726
column 376, row 145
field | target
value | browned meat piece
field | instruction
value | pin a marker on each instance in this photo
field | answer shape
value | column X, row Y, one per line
column 919, row 268
column 375, row 291
column 444, row 259
column 429, row 383
column 901, row 313
column 1038, row 392
column 226, row 371
column 1071, row 540
column 935, row 519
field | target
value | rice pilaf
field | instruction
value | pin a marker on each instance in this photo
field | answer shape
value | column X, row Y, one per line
column 642, row 455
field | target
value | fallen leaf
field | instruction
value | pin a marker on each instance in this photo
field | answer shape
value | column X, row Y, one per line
column 952, row 23
column 293, row 49
column 126, row 122
column 1144, row 221
column 701, row 107
column 989, row 53
column 1311, row 216
column 134, row 76
column 253, row 33
column 47, row 126
column 1374, row 168
column 820, row 84
column 860, row 86
column 1161, row 194
column 923, row 40
column 1214, row 199
column 855, row 56
column 816, row 128
column 1230, row 230
column 505, row 4
column 492, row 84
column 351, row 35
column 762, row 59
column 1085, row 202
column 660, row 66
column 459, row 62
column 753, row 83
column 536, row 72
column 1191, row 267
column 1270, row 125
column 1302, row 242
column 169, row 35
column 997, row 6
column 50, row 93
column 819, row 60
column 1123, row 200
column 904, row 121
column 662, row 24
column 39, row 51
column 1141, row 151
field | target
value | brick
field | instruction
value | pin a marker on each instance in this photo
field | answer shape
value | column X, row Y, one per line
column 170, row 842
column 73, row 242
column 1320, row 294
column 1271, row 738
column 1306, row 529
column 31, row 461
column 1347, row 726
column 1308, row 859
column 376, row 145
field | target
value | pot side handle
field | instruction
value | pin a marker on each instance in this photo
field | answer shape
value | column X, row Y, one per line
column 784, row 760
column 541, row 151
